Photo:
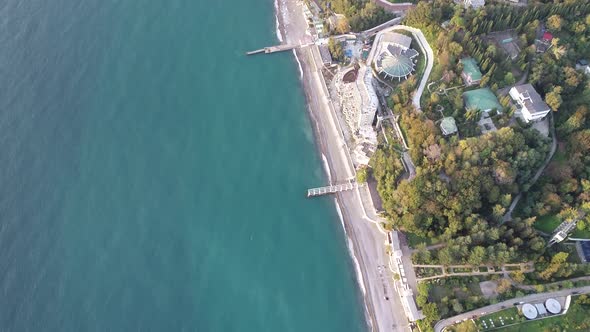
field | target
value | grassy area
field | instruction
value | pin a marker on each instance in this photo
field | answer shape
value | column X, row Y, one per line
column 461, row 292
column 499, row 319
column 559, row 156
column 585, row 234
column 547, row 223
column 509, row 320
column 414, row 240
column 576, row 319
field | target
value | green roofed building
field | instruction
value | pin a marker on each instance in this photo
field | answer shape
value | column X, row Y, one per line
column 448, row 126
column 481, row 99
column 471, row 73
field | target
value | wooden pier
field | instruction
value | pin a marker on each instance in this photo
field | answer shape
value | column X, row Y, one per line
column 273, row 49
column 332, row 189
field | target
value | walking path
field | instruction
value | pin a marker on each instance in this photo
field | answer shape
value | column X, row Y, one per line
column 443, row 324
column 448, row 271
column 432, row 247
column 394, row 7
column 557, row 283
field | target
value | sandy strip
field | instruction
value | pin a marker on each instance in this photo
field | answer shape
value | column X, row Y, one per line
column 383, row 309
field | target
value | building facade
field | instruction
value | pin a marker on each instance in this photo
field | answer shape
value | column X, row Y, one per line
column 532, row 106
column 471, row 74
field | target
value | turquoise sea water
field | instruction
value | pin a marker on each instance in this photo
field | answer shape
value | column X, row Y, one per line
column 152, row 177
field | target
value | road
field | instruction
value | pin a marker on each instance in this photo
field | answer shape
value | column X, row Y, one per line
column 409, row 164
column 443, row 324
column 424, row 47
column 394, row 7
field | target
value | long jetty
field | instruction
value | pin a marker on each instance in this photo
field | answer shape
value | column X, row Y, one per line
column 273, row 49
column 331, row 189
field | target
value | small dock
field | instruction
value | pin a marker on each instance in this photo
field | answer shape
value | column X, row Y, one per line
column 331, row 189
column 273, row 49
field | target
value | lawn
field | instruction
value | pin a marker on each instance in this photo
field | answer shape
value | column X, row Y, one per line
column 576, row 319
column 548, row 223
column 414, row 240
column 498, row 319
column 509, row 320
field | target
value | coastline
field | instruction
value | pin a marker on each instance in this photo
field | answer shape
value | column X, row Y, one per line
column 365, row 240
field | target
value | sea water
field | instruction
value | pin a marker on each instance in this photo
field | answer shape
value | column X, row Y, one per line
column 153, row 177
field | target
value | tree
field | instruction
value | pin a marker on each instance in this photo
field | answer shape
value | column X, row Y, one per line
column 575, row 121
column 430, row 312
column 336, row 49
column 503, row 286
column 477, row 255
column 557, row 263
column 455, row 49
column 362, row 174
column 517, row 276
column 554, row 22
column 509, row 78
column 571, row 77
column 342, row 25
column 466, row 326
column 553, row 98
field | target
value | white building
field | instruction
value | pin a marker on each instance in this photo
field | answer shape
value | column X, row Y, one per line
column 584, row 66
column 533, row 108
column 395, row 58
column 474, row 3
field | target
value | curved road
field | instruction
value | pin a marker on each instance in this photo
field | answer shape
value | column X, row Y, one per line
column 424, row 47
column 443, row 324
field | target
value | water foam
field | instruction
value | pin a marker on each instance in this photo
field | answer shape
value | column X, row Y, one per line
column 350, row 245
column 278, row 24
column 298, row 64
column 327, row 167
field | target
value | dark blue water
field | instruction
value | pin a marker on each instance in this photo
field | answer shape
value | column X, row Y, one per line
column 152, row 177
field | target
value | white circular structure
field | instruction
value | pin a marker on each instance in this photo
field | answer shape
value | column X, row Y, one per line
column 395, row 65
column 553, row 306
column 529, row 311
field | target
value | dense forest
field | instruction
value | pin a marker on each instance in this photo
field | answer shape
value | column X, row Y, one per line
column 361, row 14
column 464, row 186
column 465, row 183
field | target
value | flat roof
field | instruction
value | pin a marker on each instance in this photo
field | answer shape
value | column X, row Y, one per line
column 532, row 100
column 448, row 125
column 471, row 68
column 397, row 38
column 482, row 99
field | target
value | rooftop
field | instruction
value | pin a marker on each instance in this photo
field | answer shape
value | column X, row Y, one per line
column 481, row 99
column 547, row 36
column 395, row 65
column 397, row 38
column 531, row 99
column 448, row 125
column 471, row 68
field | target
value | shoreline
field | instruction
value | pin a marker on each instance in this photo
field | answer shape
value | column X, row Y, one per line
column 365, row 241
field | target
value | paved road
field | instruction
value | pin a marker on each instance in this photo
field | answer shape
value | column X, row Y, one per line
column 394, row 7
column 424, row 47
column 382, row 26
column 443, row 324
column 409, row 164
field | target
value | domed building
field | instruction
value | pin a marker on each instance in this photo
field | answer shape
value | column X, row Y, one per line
column 395, row 58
